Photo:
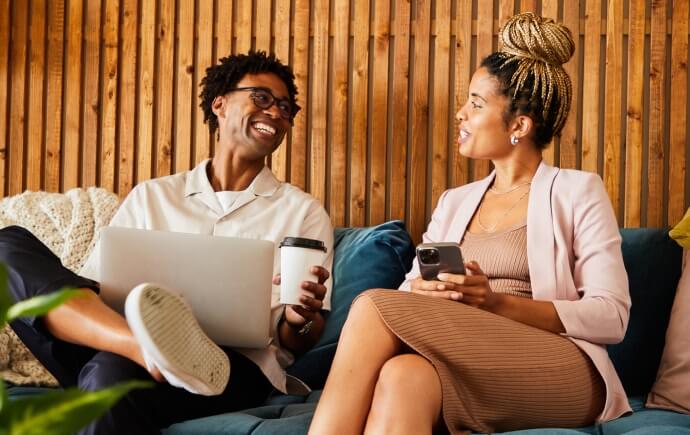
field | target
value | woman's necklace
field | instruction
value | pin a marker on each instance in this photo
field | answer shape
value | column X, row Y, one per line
column 512, row 189
column 490, row 230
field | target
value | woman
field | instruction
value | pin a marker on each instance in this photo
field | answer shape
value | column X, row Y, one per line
column 517, row 342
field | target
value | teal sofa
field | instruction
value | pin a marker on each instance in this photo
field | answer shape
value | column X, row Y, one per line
column 380, row 256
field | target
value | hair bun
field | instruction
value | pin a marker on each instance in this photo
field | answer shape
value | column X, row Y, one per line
column 527, row 35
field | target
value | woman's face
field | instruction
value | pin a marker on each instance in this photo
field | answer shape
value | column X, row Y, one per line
column 483, row 132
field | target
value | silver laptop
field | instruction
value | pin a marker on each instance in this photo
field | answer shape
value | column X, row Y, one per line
column 226, row 280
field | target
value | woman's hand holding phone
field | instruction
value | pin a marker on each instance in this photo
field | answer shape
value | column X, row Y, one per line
column 471, row 288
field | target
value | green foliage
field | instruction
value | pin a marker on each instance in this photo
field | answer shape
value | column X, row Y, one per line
column 40, row 305
column 57, row 412
column 61, row 412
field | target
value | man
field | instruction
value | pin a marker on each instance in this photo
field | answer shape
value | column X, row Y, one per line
column 249, row 101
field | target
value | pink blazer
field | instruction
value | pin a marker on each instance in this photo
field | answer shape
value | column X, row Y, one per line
column 574, row 257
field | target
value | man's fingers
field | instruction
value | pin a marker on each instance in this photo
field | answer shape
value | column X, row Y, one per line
column 318, row 290
column 312, row 303
column 321, row 273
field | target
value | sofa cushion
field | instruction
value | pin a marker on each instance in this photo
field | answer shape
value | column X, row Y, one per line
column 671, row 390
column 371, row 257
column 653, row 263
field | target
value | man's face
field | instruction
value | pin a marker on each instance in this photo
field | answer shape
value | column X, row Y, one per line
column 252, row 132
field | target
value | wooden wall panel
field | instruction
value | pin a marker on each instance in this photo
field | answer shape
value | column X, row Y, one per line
column 655, row 144
column 4, row 91
column 37, row 70
column 678, row 111
column 106, row 93
column 613, row 102
column 73, row 82
column 634, row 114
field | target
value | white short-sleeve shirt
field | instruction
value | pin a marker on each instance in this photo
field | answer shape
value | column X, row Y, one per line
column 268, row 209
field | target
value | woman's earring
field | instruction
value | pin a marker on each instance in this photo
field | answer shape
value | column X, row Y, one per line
column 514, row 140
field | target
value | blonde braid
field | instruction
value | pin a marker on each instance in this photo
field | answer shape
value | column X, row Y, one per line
column 540, row 47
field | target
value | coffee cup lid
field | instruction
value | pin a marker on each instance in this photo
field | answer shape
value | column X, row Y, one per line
column 301, row 242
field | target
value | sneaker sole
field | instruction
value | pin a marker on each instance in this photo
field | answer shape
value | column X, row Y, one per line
column 165, row 326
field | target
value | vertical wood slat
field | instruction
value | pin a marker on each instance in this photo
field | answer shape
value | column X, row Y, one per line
column 634, row 114
column 439, row 142
column 678, row 112
column 549, row 9
column 164, row 92
column 463, row 50
column 145, row 99
column 224, row 29
column 420, row 118
column 127, row 103
column 379, row 113
column 5, row 32
column 263, row 25
column 319, row 102
column 568, row 140
column 109, row 94
column 91, row 105
column 54, row 67
column 202, row 60
column 183, row 85
column 300, row 59
column 358, row 149
column 590, row 93
column 485, row 20
column 243, row 29
column 20, row 18
column 73, row 81
column 528, row 6
column 37, row 51
column 612, row 103
column 655, row 147
column 398, row 159
column 506, row 9
column 339, row 125
column 281, row 47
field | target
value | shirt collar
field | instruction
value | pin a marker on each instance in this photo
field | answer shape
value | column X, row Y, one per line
column 264, row 184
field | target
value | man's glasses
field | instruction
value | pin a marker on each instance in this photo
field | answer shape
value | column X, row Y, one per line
column 264, row 99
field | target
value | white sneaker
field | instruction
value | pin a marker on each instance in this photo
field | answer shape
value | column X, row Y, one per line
column 172, row 341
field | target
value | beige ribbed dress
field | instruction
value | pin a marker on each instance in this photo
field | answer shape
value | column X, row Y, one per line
column 496, row 374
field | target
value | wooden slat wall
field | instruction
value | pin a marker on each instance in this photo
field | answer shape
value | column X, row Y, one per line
column 106, row 93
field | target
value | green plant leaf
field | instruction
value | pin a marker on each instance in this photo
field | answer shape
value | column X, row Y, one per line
column 62, row 412
column 39, row 305
column 5, row 298
column 3, row 395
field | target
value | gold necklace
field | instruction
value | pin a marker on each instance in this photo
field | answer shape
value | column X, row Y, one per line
column 490, row 230
column 512, row 189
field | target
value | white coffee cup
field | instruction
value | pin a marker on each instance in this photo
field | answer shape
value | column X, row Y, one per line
column 297, row 256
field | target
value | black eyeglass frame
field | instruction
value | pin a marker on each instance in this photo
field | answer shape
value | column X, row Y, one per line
column 274, row 100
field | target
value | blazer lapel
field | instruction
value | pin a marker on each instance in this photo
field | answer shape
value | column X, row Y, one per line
column 541, row 249
column 468, row 208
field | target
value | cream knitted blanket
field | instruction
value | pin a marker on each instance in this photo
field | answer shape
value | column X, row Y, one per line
column 67, row 224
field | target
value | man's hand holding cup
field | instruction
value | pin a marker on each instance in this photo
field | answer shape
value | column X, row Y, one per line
column 302, row 288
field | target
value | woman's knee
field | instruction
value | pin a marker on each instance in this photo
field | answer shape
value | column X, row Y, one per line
column 408, row 373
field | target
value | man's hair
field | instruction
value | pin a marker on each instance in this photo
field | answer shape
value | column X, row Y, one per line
column 529, row 69
column 223, row 77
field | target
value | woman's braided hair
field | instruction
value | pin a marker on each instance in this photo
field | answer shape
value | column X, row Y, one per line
column 529, row 67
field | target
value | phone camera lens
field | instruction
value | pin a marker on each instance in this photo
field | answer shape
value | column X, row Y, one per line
column 429, row 256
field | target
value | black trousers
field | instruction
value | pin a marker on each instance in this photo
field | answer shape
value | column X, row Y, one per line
column 34, row 270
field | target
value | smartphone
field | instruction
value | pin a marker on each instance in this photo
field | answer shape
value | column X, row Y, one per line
column 435, row 258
